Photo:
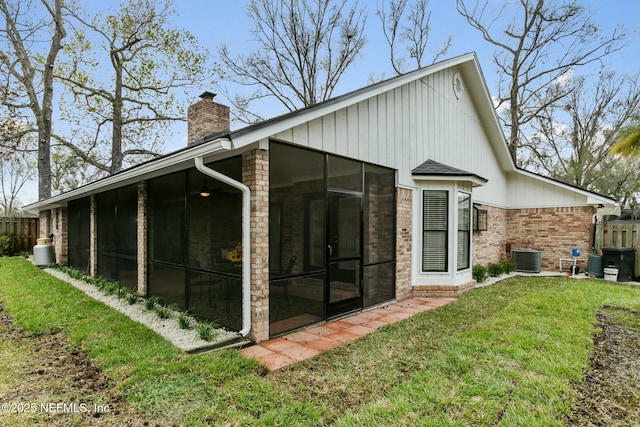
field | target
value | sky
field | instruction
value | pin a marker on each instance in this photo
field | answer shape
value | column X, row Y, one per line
column 221, row 21
column 215, row 22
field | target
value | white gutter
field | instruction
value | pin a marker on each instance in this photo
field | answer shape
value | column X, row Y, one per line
column 246, row 240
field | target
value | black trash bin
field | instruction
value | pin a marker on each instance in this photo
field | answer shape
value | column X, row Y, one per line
column 621, row 258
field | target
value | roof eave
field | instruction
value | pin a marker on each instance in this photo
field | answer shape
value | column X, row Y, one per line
column 134, row 174
column 475, row 180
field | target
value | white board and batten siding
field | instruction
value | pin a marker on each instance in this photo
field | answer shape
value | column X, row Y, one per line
column 422, row 119
column 525, row 191
column 403, row 127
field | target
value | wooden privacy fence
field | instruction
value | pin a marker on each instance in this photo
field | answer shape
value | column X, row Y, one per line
column 624, row 235
column 22, row 231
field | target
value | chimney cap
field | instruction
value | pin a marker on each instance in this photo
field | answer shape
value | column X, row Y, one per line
column 208, row 95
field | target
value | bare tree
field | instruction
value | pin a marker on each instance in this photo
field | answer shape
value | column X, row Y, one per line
column 26, row 67
column 15, row 171
column 128, row 112
column 573, row 138
column 406, row 29
column 537, row 42
column 304, row 48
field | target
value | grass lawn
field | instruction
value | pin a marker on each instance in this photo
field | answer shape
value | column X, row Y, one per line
column 508, row 354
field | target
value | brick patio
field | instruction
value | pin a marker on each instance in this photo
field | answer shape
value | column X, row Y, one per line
column 283, row 351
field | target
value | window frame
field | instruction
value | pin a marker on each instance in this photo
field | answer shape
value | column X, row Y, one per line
column 480, row 218
column 468, row 230
column 444, row 231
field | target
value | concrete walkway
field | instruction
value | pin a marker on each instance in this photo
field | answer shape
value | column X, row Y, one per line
column 283, row 351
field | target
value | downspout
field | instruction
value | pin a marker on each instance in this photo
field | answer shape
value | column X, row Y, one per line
column 246, row 240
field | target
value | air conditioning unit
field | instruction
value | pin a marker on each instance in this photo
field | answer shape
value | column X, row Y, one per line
column 527, row 260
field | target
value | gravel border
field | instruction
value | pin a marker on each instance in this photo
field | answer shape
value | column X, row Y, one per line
column 185, row 339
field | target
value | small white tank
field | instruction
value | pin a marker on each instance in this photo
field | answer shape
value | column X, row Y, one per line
column 43, row 254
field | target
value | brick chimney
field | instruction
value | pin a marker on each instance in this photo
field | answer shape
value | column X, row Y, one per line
column 205, row 118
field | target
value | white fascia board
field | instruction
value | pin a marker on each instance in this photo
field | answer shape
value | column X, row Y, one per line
column 179, row 160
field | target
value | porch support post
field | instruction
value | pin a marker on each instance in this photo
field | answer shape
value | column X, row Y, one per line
column 142, row 238
column 255, row 175
column 60, row 232
column 404, row 209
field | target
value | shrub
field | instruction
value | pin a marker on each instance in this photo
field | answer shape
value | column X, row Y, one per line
column 184, row 321
column 111, row 288
column 479, row 273
column 132, row 297
column 494, row 270
column 151, row 302
column 5, row 245
column 163, row 312
column 101, row 283
column 207, row 331
column 508, row 266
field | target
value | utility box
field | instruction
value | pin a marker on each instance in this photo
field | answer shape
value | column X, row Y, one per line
column 527, row 260
column 621, row 258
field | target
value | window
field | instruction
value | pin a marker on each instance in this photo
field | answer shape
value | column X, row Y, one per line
column 464, row 228
column 434, row 230
column 479, row 217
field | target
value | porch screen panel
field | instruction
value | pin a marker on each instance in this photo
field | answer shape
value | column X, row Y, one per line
column 297, row 196
column 166, row 207
column 106, row 222
column 79, row 233
column 434, row 238
column 213, row 237
column 464, row 229
column 166, row 223
column 344, row 173
column 194, row 221
column 378, row 234
column 127, row 222
column 117, row 212
column 296, row 186
column 214, row 217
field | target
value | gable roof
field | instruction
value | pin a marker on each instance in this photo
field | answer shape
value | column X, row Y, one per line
column 466, row 64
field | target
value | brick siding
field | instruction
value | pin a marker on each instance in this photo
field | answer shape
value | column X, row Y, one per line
column 443, row 291
column 93, row 236
column 553, row 231
column 142, row 238
column 60, row 230
column 489, row 245
column 404, row 209
column 255, row 175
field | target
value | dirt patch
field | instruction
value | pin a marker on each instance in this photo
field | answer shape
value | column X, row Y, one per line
column 610, row 392
column 46, row 380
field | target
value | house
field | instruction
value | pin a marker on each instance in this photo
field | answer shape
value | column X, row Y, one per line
column 390, row 191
